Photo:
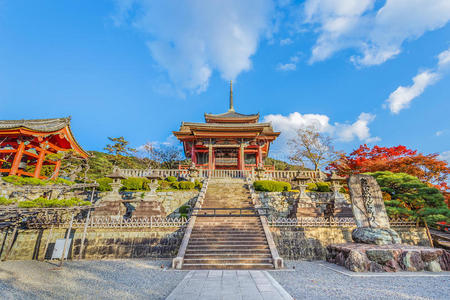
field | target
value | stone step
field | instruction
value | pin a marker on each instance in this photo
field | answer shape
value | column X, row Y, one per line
column 228, row 255
column 228, row 236
column 226, row 246
column 244, row 260
column 245, row 251
column 229, row 266
column 207, row 243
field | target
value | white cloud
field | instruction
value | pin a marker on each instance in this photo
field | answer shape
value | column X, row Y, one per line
column 445, row 156
column 439, row 132
column 285, row 42
column 291, row 66
column 192, row 39
column 444, row 59
column 287, row 67
column 289, row 125
column 378, row 34
column 403, row 95
column 359, row 129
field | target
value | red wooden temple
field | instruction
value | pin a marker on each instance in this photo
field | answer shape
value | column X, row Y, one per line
column 227, row 141
column 25, row 143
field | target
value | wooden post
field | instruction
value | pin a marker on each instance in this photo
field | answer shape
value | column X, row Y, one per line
column 11, row 243
column 17, row 159
column 66, row 241
column 86, row 224
column 49, row 237
column 37, row 170
column 430, row 239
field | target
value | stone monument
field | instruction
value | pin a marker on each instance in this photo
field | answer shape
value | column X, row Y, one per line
column 377, row 247
column 369, row 212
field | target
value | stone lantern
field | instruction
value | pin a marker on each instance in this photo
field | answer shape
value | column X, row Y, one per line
column 300, row 181
column 153, row 183
column 194, row 172
column 117, row 177
column 341, row 207
column 260, row 172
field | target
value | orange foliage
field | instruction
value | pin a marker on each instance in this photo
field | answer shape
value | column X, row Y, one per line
column 428, row 168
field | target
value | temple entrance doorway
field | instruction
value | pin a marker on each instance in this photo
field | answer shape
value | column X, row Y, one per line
column 226, row 158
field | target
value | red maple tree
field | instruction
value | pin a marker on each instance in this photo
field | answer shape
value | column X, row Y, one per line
column 428, row 168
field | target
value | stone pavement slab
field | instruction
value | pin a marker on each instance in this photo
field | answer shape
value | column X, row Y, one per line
column 229, row 284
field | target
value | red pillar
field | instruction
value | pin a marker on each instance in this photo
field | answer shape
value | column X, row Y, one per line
column 260, row 161
column 17, row 159
column 37, row 170
column 56, row 172
column 210, row 158
column 193, row 153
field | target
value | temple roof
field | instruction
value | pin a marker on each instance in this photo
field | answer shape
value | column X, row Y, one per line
column 43, row 127
column 40, row 125
column 231, row 117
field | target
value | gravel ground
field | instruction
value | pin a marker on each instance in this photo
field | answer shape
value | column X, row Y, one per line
column 144, row 279
column 310, row 280
column 124, row 279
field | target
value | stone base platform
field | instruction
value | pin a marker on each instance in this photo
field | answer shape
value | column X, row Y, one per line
column 388, row 258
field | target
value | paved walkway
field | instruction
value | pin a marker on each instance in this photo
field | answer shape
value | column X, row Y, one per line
column 229, row 285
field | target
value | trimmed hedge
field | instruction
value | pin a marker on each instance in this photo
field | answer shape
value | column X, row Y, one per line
column 5, row 201
column 171, row 179
column 43, row 202
column 135, row 184
column 18, row 180
column 271, row 186
column 321, row 187
column 103, row 184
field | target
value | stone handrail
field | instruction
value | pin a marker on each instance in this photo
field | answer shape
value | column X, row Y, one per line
column 177, row 262
column 206, row 173
column 328, row 222
column 277, row 260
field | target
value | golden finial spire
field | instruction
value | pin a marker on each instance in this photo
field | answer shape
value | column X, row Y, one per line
column 231, row 96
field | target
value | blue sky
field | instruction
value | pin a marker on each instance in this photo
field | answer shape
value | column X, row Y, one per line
column 363, row 71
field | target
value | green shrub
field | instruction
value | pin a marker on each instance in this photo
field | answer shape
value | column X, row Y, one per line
column 134, row 184
column 271, row 186
column 171, row 179
column 175, row 185
column 5, row 201
column 103, row 184
column 186, row 185
column 184, row 210
column 16, row 180
column 198, row 185
column 320, row 187
column 312, row 187
column 61, row 181
column 164, row 185
column 323, row 187
column 43, row 202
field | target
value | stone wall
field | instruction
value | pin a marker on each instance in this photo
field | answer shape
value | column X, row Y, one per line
column 284, row 204
column 301, row 243
column 99, row 243
column 169, row 202
column 30, row 192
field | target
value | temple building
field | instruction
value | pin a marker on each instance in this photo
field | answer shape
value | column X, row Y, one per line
column 229, row 140
column 24, row 145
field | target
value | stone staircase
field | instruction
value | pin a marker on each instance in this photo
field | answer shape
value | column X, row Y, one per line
column 228, row 242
